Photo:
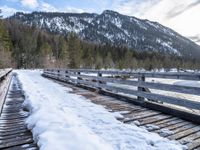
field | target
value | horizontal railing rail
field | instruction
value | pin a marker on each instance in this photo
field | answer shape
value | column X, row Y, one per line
column 169, row 75
column 101, row 79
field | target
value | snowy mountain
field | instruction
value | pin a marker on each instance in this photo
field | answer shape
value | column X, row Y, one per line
column 114, row 28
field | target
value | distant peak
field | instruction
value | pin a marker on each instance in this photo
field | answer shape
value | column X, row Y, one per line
column 110, row 12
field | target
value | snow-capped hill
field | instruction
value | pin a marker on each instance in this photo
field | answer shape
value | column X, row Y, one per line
column 114, row 28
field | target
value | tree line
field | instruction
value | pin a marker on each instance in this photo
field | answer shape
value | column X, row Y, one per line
column 22, row 46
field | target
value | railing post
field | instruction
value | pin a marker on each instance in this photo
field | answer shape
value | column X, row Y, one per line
column 79, row 78
column 141, row 79
column 66, row 76
column 58, row 74
column 99, row 74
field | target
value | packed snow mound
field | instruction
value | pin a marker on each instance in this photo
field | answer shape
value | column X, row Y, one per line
column 63, row 120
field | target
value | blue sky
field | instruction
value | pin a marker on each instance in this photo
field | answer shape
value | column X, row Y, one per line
column 96, row 6
column 181, row 15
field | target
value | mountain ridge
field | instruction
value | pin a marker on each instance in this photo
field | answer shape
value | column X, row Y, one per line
column 114, row 28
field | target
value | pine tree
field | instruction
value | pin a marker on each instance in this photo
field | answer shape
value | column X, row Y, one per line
column 108, row 63
column 46, row 56
column 63, row 54
column 5, row 46
column 74, row 51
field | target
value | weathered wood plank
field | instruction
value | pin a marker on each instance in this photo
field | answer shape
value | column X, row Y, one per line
column 13, row 132
column 139, row 116
column 184, row 133
column 194, row 145
column 13, row 136
column 170, row 124
column 13, row 128
column 11, row 117
column 180, row 127
column 177, row 127
column 190, row 138
column 16, row 141
column 31, row 146
column 153, row 119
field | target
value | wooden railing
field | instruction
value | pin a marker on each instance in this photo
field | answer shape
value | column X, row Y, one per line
column 4, row 84
column 101, row 80
column 4, row 73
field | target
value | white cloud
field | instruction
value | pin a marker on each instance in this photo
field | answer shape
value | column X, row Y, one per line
column 39, row 5
column 30, row 3
column 73, row 10
column 47, row 7
column 43, row 6
column 8, row 11
column 180, row 15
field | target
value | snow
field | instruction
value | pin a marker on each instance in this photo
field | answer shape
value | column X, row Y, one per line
column 117, row 115
column 89, row 20
column 188, row 83
column 59, row 24
column 78, row 26
column 151, row 127
column 127, row 33
column 117, row 21
column 137, row 123
column 63, row 120
column 165, row 132
column 110, row 36
column 168, row 45
column 124, row 112
column 25, row 146
column 160, row 27
column 153, row 24
column 140, row 23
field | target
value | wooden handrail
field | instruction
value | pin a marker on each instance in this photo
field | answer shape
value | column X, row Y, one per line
column 97, row 80
column 4, row 85
column 169, row 75
column 4, row 72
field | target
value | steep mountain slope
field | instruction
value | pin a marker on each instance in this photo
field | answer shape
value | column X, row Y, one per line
column 114, row 28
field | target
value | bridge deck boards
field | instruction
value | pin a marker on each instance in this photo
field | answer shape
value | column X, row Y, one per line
column 14, row 134
column 168, row 126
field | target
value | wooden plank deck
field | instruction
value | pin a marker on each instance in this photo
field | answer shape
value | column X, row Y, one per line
column 14, row 134
column 168, row 126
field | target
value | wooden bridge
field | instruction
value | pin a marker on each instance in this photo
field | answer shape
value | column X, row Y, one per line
column 14, row 134
column 175, row 118
column 129, row 93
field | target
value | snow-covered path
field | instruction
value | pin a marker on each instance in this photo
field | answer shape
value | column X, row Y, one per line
column 65, row 121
